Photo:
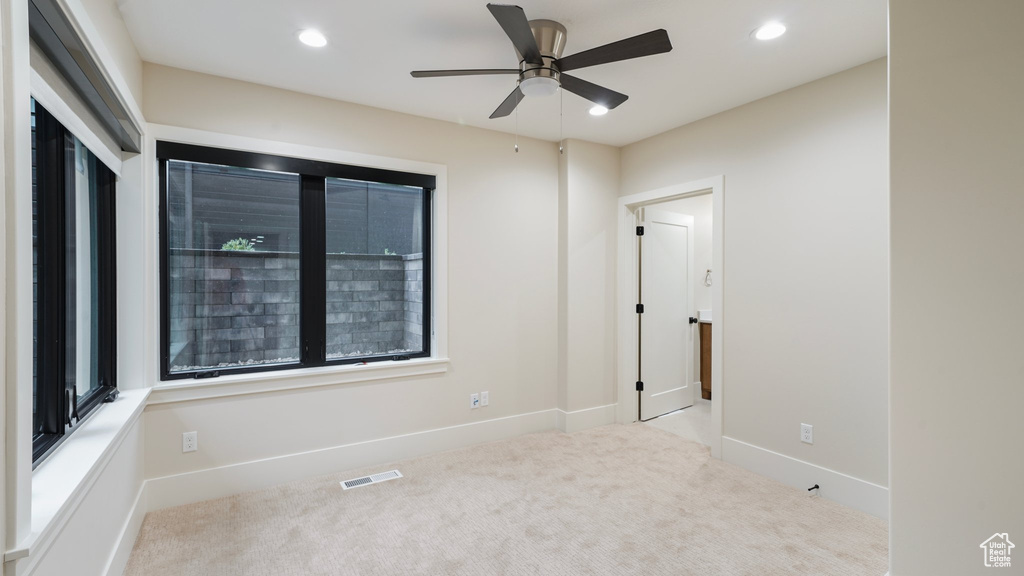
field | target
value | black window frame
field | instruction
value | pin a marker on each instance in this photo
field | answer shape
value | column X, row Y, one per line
column 61, row 413
column 312, row 250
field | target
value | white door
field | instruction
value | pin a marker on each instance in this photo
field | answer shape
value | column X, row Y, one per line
column 666, row 292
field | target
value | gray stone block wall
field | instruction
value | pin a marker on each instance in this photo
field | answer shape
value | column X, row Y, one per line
column 230, row 308
column 413, row 305
column 364, row 305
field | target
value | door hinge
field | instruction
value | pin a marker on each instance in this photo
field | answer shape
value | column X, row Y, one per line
column 639, row 386
column 639, row 230
column 639, row 308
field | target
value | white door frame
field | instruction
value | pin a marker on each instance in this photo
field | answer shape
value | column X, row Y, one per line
column 627, row 299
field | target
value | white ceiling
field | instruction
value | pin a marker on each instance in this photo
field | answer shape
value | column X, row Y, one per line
column 374, row 44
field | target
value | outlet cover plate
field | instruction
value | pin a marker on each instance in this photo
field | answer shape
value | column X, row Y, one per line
column 189, row 441
column 474, row 400
column 485, row 398
column 807, row 433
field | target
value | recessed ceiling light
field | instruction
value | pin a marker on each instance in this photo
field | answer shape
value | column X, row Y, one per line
column 598, row 110
column 313, row 38
column 770, row 31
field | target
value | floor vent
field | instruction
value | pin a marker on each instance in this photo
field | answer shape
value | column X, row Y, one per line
column 371, row 479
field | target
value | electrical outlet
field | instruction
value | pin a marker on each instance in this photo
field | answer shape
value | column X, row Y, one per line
column 474, row 400
column 807, row 433
column 190, row 441
column 485, row 398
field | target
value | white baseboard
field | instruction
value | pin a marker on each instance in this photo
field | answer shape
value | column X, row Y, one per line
column 577, row 420
column 846, row 490
column 129, row 533
column 223, row 481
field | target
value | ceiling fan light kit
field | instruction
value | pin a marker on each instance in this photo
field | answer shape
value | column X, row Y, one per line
column 539, row 45
column 538, row 86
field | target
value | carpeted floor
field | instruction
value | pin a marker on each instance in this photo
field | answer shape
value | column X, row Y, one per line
column 615, row 500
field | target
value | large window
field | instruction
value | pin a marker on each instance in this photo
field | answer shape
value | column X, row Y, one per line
column 270, row 262
column 73, row 281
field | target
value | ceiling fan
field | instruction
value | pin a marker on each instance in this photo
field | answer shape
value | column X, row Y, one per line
column 539, row 45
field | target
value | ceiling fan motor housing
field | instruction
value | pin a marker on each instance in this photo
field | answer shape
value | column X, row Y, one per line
column 543, row 79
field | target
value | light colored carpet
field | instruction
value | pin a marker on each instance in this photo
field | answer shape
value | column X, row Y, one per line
column 693, row 423
column 621, row 499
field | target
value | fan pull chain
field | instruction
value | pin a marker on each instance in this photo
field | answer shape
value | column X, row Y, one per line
column 560, row 151
column 517, row 123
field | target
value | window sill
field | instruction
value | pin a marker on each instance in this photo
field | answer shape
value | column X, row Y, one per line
column 255, row 383
column 63, row 480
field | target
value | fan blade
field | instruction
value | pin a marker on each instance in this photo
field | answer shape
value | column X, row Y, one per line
column 479, row 72
column 509, row 104
column 513, row 21
column 596, row 94
column 655, row 42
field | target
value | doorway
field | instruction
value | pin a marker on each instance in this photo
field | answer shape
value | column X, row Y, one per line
column 639, row 357
column 665, row 296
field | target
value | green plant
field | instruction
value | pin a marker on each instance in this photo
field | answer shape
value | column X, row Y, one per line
column 238, row 245
column 388, row 252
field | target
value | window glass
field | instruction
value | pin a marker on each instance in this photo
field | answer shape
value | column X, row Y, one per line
column 36, row 422
column 233, row 266
column 81, row 277
column 374, row 237
column 73, row 282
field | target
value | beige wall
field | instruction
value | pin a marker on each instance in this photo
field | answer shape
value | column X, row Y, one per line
column 806, row 262
column 957, row 393
column 114, row 41
column 588, row 196
column 502, row 238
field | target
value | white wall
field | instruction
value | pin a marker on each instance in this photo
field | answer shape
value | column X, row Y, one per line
column 588, row 252
column 806, row 263
column 91, row 540
column 89, row 535
column 502, row 238
column 957, row 392
column 17, row 270
column 700, row 208
column 6, row 159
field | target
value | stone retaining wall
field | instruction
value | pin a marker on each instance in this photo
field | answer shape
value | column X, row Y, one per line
column 229, row 308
